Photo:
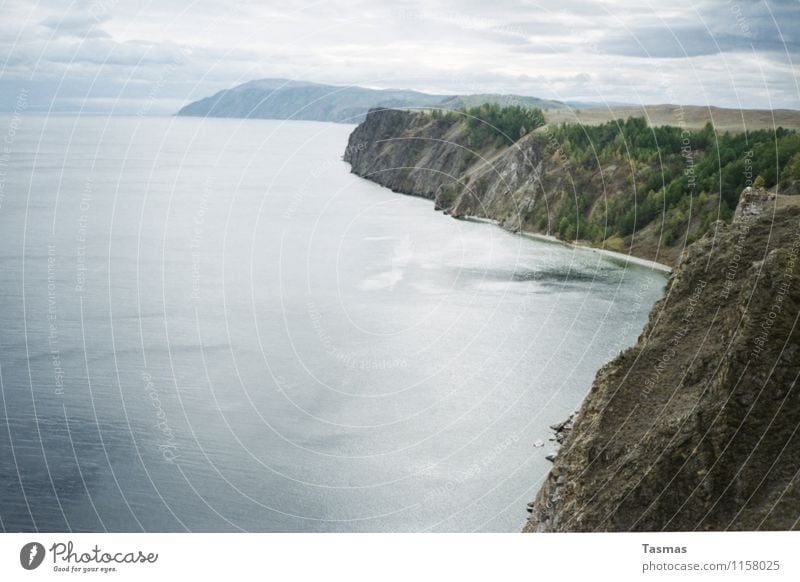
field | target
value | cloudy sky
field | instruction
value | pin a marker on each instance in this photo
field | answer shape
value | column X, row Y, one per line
column 153, row 56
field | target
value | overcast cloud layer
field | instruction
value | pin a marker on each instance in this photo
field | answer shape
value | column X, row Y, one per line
column 153, row 57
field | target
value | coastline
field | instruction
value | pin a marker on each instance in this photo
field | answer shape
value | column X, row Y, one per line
column 623, row 257
column 644, row 424
column 427, row 159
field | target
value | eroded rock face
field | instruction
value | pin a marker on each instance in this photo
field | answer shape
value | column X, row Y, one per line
column 406, row 152
column 522, row 185
column 696, row 426
column 754, row 201
column 414, row 154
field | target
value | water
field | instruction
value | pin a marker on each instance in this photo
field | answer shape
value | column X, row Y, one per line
column 211, row 325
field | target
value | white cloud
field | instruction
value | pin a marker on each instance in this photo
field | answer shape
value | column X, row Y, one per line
column 722, row 53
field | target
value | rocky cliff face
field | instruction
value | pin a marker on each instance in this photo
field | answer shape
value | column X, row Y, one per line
column 407, row 153
column 522, row 185
column 413, row 154
column 696, row 426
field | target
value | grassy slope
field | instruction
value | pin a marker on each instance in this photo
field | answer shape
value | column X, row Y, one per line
column 689, row 116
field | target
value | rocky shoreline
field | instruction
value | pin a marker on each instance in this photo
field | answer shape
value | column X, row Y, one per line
column 692, row 428
column 517, row 186
column 561, row 431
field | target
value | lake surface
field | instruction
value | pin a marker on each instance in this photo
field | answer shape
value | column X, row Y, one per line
column 211, row 325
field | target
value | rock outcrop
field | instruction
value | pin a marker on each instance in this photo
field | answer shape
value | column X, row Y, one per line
column 522, row 185
column 753, row 202
column 696, row 426
column 414, row 154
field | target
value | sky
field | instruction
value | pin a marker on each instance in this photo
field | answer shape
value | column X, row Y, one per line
column 152, row 57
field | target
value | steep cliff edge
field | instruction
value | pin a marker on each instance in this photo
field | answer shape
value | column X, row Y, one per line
column 414, row 154
column 696, row 426
column 624, row 186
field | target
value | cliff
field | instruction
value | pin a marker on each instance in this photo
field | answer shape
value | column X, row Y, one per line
column 695, row 427
column 624, row 185
column 525, row 185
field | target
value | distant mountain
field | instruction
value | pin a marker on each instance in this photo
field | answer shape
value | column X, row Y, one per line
column 284, row 99
column 597, row 104
column 507, row 100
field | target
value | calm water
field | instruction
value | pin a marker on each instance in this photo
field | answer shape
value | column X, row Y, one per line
column 212, row 325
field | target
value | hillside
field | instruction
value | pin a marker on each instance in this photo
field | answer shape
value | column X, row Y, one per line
column 687, row 116
column 622, row 185
column 695, row 427
column 459, row 101
column 284, row 99
column 300, row 100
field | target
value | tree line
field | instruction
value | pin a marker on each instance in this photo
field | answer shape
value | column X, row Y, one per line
column 680, row 179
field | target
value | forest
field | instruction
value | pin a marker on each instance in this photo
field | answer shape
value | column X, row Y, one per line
column 680, row 179
column 683, row 177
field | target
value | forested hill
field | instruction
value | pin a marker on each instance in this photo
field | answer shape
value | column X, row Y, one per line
column 621, row 185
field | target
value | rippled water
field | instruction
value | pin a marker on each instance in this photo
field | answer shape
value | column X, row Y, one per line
column 212, row 325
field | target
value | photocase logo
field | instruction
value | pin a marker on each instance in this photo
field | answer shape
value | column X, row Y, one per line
column 31, row 555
